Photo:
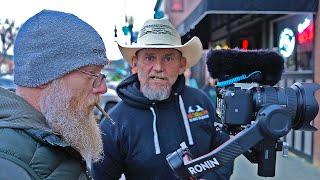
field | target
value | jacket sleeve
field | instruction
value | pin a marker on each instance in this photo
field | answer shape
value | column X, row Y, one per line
column 224, row 172
column 10, row 170
column 111, row 166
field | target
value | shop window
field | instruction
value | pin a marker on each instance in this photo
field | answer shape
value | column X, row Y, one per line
column 294, row 39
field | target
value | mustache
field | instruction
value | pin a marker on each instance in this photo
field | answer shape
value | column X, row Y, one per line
column 159, row 76
column 92, row 102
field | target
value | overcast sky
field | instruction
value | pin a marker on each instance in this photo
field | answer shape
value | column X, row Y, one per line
column 103, row 15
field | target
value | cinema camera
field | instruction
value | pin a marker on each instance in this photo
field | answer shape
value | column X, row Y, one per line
column 250, row 108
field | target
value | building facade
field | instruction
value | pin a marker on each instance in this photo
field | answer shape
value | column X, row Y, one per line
column 289, row 27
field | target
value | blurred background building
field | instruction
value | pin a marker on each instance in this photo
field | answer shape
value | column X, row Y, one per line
column 290, row 27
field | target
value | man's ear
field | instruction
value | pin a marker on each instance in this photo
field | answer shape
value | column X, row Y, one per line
column 134, row 61
column 183, row 65
column 134, row 65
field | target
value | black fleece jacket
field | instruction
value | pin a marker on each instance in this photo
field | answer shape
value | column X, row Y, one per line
column 130, row 144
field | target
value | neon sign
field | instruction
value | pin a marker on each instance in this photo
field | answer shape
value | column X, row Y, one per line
column 305, row 32
column 304, row 25
column 245, row 44
column 286, row 42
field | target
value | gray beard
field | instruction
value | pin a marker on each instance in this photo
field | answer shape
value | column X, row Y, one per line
column 72, row 120
column 156, row 94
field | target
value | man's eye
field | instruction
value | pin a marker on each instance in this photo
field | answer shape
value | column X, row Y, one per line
column 168, row 58
column 150, row 58
column 92, row 71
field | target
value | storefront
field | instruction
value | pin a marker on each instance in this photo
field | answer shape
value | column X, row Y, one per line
column 246, row 37
column 286, row 27
column 294, row 38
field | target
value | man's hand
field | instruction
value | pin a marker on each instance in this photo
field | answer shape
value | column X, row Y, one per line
column 187, row 158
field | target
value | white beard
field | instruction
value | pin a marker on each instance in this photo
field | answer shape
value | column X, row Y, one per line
column 156, row 94
column 72, row 119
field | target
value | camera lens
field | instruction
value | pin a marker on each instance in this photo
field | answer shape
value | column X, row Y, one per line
column 299, row 99
column 307, row 106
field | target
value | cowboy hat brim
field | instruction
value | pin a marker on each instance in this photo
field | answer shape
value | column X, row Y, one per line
column 192, row 50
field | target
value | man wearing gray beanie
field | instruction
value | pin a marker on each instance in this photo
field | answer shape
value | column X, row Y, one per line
column 47, row 129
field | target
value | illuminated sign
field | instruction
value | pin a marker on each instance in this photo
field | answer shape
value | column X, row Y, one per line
column 286, row 42
column 304, row 25
column 305, row 32
column 245, row 44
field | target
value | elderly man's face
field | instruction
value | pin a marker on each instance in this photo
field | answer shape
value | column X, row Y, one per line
column 158, row 70
column 67, row 104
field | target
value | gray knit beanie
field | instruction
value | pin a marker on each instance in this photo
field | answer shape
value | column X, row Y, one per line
column 51, row 44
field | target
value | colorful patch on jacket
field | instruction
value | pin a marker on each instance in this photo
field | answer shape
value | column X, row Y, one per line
column 196, row 113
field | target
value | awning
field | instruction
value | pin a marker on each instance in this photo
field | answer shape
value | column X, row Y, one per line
column 246, row 7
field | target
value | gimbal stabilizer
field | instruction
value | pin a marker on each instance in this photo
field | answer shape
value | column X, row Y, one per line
column 272, row 122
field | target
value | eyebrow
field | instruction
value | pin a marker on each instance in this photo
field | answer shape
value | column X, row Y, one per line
column 149, row 54
column 169, row 54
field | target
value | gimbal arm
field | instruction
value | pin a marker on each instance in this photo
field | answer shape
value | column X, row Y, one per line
column 272, row 122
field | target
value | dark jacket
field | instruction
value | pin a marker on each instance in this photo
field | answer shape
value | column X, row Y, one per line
column 146, row 131
column 29, row 149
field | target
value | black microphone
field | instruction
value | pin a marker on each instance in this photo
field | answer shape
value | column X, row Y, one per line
column 225, row 64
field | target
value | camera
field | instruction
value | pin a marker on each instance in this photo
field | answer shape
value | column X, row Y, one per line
column 238, row 105
column 252, row 109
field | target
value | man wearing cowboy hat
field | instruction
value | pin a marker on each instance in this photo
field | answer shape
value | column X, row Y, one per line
column 158, row 111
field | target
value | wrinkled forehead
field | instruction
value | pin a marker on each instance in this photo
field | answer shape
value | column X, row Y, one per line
column 146, row 51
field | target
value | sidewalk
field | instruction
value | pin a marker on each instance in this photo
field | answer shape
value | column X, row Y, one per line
column 290, row 168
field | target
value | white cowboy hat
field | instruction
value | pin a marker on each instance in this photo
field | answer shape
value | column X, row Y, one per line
column 159, row 33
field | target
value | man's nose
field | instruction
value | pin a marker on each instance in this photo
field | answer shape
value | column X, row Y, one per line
column 101, row 89
column 158, row 66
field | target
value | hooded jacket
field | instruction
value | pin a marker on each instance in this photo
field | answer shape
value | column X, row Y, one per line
column 28, row 147
column 146, row 131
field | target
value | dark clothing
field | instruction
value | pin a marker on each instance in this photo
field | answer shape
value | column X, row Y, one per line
column 29, row 149
column 146, row 131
